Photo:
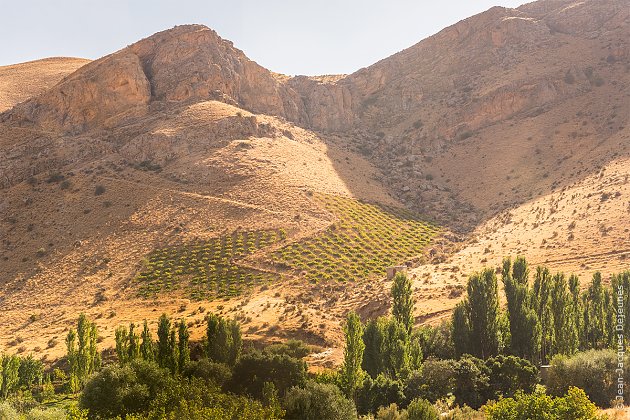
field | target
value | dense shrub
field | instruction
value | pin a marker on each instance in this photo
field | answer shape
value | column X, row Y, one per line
column 574, row 405
column 471, row 381
column 420, row 409
column 593, row 371
column 211, row 372
column 509, row 374
column 292, row 348
column 379, row 392
column 256, row 368
column 318, row 402
column 195, row 400
column 437, row 379
column 121, row 390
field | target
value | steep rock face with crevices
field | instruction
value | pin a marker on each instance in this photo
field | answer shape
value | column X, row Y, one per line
column 481, row 70
column 90, row 97
column 185, row 64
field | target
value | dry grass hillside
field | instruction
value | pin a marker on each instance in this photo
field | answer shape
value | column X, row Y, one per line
column 19, row 82
column 176, row 175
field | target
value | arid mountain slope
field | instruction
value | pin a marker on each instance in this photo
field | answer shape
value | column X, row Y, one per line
column 509, row 128
column 19, row 82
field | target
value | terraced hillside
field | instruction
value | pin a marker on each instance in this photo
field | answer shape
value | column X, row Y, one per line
column 208, row 269
column 365, row 239
column 362, row 241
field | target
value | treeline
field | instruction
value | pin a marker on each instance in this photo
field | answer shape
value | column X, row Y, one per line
column 544, row 317
column 483, row 361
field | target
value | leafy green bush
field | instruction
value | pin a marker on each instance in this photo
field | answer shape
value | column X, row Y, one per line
column 379, row 392
column 420, row 409
column 593, row 371
column 195, row 400
column 437, row 379
column 254, row 369
column 121, row 390
column 211, row 372
column 509, row 374
column 292, row 348
column 318, row 402
column 575, row 405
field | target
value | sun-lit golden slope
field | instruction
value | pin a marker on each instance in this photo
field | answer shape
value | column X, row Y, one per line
column 193, row 172
column 18, row 82
column 510, row 128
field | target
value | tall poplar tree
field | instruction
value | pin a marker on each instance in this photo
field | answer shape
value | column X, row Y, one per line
column 146, row 347
column 595, row 314
column 83, row 356
column 542, row 291
column 402, row 306
column 461, row 329
column 483, row 313
column 183, row 345
column 122, row 344
column 351, row 372
column 163, row 344
column 373, row 337
column 564, row 329
column 133, row 350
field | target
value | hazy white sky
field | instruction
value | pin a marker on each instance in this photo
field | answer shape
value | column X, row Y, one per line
column 286, row 36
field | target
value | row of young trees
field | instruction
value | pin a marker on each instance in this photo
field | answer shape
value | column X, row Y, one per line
column 172, row 348
column 16, row 372
column 82, row 352
column 548, row 317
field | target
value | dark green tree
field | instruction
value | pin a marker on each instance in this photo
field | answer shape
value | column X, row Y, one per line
column 224, row 342
column 163, row 345
column 541, row 301
column 577, row 312
column 146, row 347
column 318, row 402
column 133, row 351
column 595, row 314
column 378, row 392
column 483, row 307
column 374, row 337
column 523, row 319
column 510, row 374
column 564, row 330
column 31, row 371
column 461, row 329
column 255, row 368
column 173, row 352
column 395, row 351
column 437, row 341
column 351, row 372
column 403, row 303
column 184, row 349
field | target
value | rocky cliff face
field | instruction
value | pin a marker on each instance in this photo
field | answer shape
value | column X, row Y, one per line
column 485, row 68
column 182, row 65
column 496, row 69
column 90, row 97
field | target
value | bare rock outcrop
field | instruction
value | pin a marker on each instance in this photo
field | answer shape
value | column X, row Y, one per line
column 97, row 95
